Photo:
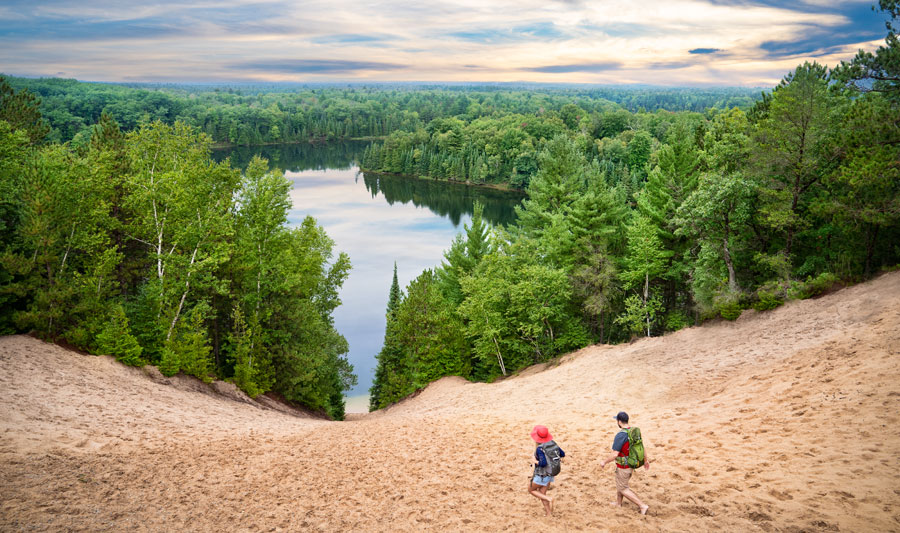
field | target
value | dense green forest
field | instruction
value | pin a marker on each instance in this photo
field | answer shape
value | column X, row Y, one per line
column 141, row 246
column 258, row 114
column 636, row 224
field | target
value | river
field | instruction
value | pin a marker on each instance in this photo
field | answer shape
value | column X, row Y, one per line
column 377, row 220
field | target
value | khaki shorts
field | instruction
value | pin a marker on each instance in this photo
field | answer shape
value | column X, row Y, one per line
column 623, row 475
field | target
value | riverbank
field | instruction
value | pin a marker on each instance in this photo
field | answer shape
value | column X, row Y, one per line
column 502, row 187
column 314, row 142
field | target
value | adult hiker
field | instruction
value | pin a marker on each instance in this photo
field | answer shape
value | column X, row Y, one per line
column 546, row 462
column 628, row 453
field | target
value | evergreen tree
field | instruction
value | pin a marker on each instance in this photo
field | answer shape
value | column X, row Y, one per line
column 115, row 339
column 880, row 71
column 391, row 364
column 21, row 110
column 464, row 255
column 794, row 150
column 556, row 186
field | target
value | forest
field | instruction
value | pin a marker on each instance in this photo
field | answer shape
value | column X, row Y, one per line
column 638, row 224
column 646, row 210
column 262, row 114
column 141, row 246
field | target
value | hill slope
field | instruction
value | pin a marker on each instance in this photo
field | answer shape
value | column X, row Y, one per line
column 781, row 421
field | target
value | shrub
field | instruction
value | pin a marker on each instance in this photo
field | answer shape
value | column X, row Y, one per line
column 813, row 286
column 677, row 320
column 766, row 300
column 730, row 310
column 116, row 339
column 191, row 347
column 168, row 362
column 821, row 283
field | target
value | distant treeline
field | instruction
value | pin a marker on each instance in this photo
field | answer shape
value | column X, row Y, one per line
column 638, row 224
column 141, row 246
column 258, row 114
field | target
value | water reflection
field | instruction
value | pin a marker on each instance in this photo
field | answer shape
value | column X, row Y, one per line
column 297, row 157
column 446, row 199
column 377, row 220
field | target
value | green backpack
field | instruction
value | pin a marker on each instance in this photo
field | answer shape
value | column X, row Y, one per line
column 635, row 457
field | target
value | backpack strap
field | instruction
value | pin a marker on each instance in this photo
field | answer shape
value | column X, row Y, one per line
column 624, row 460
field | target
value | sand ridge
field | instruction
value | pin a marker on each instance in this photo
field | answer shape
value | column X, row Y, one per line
column 781, row 421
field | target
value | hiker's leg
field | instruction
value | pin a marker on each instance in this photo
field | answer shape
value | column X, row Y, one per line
column 622, row 478
column 535, row 490
column 632, row 497
column 548, row 504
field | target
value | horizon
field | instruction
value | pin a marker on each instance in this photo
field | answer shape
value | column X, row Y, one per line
column 685, row 44
column 417, row 84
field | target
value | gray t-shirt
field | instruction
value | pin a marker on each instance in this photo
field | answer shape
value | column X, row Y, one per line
column 620, row 441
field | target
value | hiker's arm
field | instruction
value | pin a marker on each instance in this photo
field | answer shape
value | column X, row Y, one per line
column 539, row 458
column 610, row 459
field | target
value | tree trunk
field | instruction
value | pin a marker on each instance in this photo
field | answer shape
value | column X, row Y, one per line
column 187, row 286
column 732, row 281
column 871, row 238
column 646, row 296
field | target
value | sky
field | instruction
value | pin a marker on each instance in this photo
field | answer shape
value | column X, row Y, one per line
column 751, row 43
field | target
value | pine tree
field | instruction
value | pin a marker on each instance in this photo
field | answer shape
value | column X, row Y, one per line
column 116, row 339
column 22, row 111
column 390, row 358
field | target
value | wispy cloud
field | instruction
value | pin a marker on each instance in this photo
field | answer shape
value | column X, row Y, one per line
column 580, row 67
column 723, row 42
column 315, row 66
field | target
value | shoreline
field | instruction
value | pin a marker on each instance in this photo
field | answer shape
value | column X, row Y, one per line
column 493, row 186
column 314, row 142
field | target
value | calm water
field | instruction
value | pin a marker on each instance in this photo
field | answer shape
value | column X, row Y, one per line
column 376, row 220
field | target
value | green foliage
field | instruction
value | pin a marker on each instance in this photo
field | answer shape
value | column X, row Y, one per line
column 794, row 149
column 246, row 374
column 116, row 339
column 143, row 312
column 730, row 310
column 191, row 347
column 640, row 314
column 391, row 371
column 635, row 220
column 21, row 110
column 518, row 311
column 813, row 286
column 148, row 226
column 676, row 320
column 878, row 71
column 766, row 300
column 169, row 363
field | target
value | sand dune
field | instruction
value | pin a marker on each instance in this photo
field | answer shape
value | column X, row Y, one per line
column 780, row 421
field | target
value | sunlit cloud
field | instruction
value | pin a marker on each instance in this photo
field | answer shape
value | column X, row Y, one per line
column 666, row 42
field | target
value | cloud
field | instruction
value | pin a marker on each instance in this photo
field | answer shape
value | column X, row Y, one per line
column 316, row 66
column 353, row 38
column 538, row 31
column 576, row 67
column 724, row 42
column 138, row 29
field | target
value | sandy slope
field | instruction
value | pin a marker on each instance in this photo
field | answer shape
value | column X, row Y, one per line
column 781, row 421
